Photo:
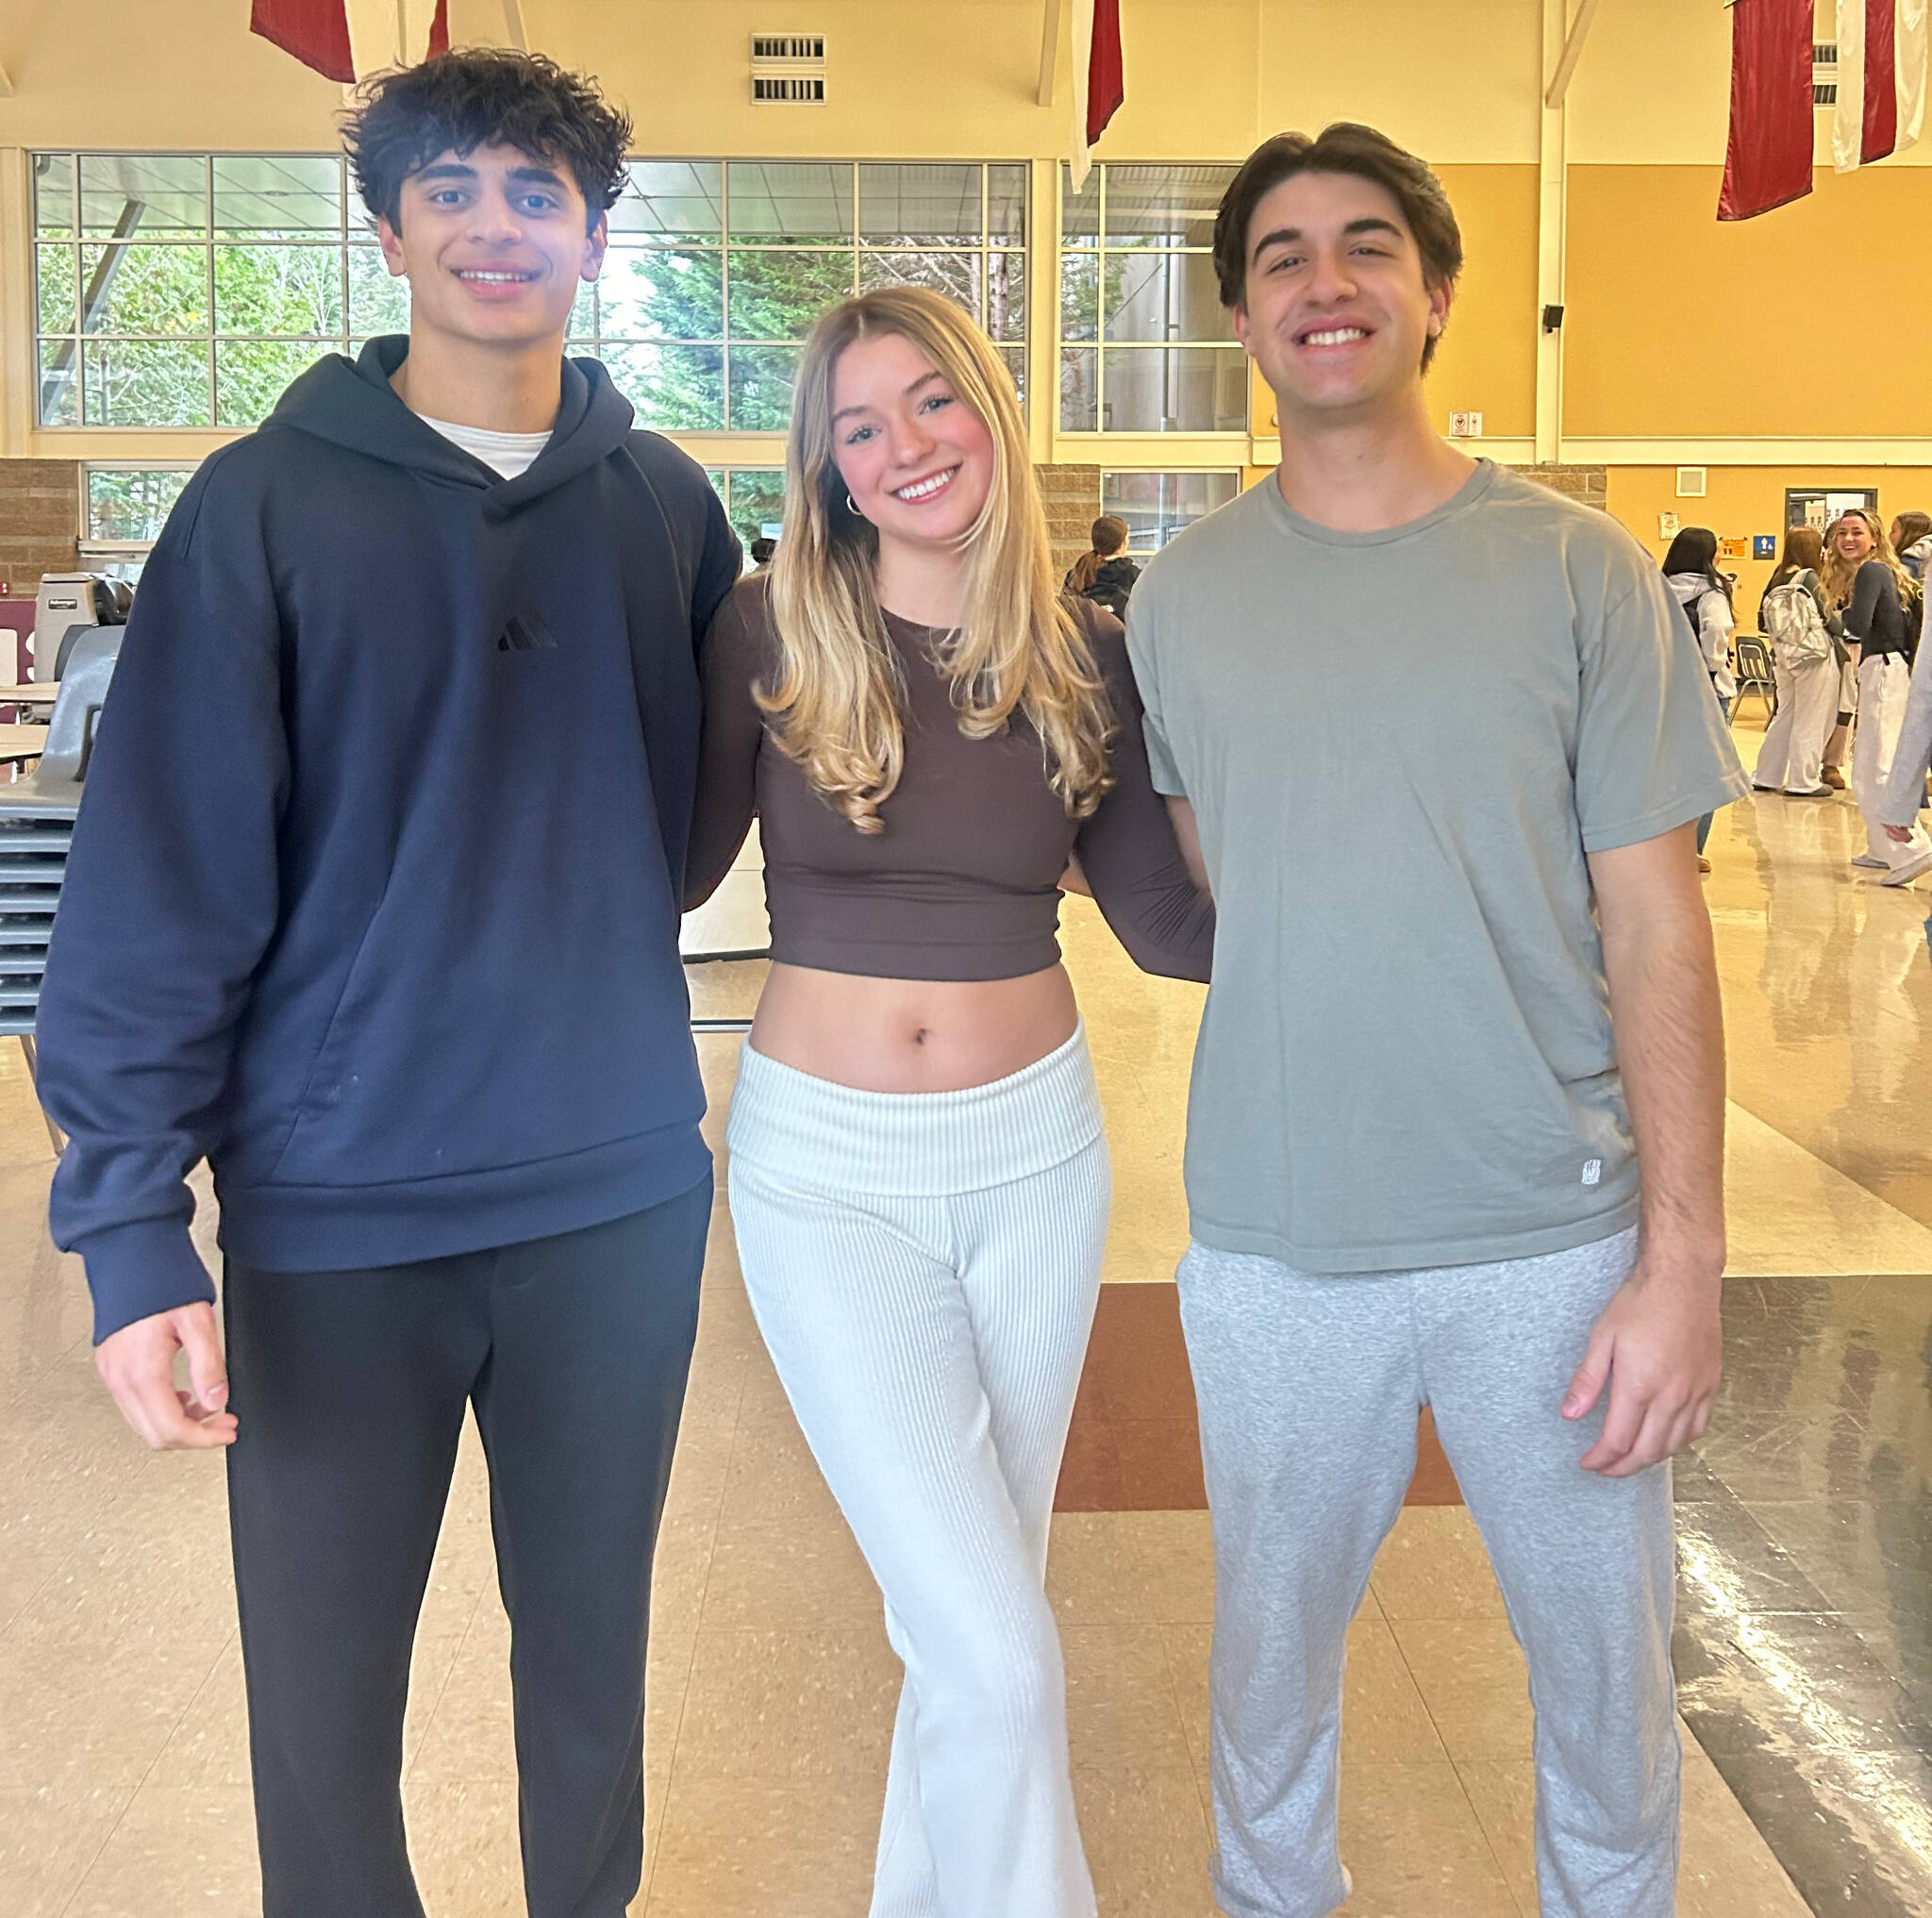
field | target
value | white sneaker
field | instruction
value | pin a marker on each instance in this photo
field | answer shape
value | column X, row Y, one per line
column 1905, row 875
column 1870, row 862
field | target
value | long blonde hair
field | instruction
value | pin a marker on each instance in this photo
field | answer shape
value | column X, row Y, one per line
column 1837, row 576
column 837, row 707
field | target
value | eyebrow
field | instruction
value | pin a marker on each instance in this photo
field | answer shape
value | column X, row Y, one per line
column 924, row 379
column 456, row 170
column 1284, row 236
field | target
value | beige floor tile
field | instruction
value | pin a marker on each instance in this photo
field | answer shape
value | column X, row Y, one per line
column 1093, row 1571
column 699, row 1468
column 789, row 1577
column 1413, row 1844
column 1147, row 1840
column 803, row 1706
column 1728, row 1867
column 1175, row 1551
column 774, row 1480
column 1187, row 1648
column 463, row 1847
column 1122, row 1704
column 763, row 1847
column 48, row 1840
column 1472, row 1677
column 178, row 1851
column 1504, row 1794
column 1434, row 1565
column 713, row 1390
column 471, row 1734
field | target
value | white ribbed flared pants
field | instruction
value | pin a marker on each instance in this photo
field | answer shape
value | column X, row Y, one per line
column 1793, row 755
column 924, row 1269
column 1884, row 683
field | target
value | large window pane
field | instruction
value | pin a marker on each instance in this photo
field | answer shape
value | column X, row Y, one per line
column 676, row 198
column 754, row 502
column 955, row 274
column 1006, row 296
column 657, row 292
column 1006, row 205
column 790, row 199
column 60, row 382
column 252, row 375
column 53, row 195
column 919, row 205
column 1175, row 389
column 293, row 290
column 1080, row 213
column 378, row 303
column 1164, row 205
column 1164, row 297
column 147, row 383
column 1156, row 505
column 158, row 196
column 582, row 323
column 130, row 288
column 1015, row 358
column 1079, row 390
column 56, row 289
column 132, row 504
column 1079, row 296
column 674, row 388
column 278, row 196
column 777, row 295
column 761, row 379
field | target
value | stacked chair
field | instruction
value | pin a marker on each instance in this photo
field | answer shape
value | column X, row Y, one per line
column 36, row 818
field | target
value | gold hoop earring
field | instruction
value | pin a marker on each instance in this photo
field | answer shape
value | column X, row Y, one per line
column 852, row 507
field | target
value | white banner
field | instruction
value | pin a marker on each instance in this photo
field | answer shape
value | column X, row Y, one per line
column 390, row 33
column 1848, row 127
column 1912, row 53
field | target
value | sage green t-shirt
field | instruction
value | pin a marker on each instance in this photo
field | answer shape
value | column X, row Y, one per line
column 1400, row 745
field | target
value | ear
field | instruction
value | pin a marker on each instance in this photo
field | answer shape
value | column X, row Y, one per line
column 391, row 244
column 595, row 242
column 1237, row 319
column 1440, row 299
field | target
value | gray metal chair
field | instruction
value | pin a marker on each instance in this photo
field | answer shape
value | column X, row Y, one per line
column 37, row 817
column 1753, row 675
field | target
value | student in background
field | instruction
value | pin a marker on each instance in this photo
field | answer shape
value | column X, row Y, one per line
column 1802, row 629
column 761, row 551
column 1911, row 540
column 1705, row 593
column 1863, row 576
column 1106, row 575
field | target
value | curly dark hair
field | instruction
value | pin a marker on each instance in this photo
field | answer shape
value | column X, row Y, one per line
column 484, row 96
column 1345, row 147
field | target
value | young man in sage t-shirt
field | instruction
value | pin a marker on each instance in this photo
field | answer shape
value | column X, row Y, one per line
column 1456, row 1131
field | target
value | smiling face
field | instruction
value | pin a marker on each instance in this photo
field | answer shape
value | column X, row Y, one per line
column 494, row 245
column 1334, row 311
column 1852, row 539
column 917, row 460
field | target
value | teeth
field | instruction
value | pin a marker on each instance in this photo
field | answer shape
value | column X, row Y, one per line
column 925, row 489
column 494, row 278
column 1340, row 336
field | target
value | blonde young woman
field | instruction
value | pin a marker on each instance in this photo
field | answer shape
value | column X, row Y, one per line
column 918, row 1176
column 1862, row 576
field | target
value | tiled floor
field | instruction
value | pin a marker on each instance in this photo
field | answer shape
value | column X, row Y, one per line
column 123, row 1786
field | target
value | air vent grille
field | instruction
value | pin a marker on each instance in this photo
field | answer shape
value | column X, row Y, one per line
column 779, row 87
column 1693, row 482
column 787, row 68
column 789, row 46
column 1825, row 73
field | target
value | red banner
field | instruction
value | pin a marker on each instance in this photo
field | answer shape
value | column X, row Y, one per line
column 1105, row 77
column 1881, row 82
column 316, row 32
column 1768, row 163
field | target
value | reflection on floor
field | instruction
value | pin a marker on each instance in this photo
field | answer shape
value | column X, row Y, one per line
column 124, row 1782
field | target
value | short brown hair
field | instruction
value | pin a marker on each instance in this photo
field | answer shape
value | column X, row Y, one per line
column 1345, row 147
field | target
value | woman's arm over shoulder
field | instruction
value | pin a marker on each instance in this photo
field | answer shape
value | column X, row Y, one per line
column 1834, row 621
column 1128, row 848
column 736, row 651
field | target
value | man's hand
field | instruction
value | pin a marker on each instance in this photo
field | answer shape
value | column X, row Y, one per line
column 137, row 1363
column 1903, row 834
column 1660, row 1348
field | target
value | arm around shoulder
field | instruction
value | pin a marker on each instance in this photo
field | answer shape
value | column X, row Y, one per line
column 732, row 660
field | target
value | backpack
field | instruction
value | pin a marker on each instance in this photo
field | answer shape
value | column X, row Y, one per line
column 1796, row 628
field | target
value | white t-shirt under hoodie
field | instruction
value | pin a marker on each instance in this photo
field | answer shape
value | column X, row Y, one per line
column 508, row 454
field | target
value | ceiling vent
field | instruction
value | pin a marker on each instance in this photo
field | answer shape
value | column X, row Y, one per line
column 787, row 68
column 1823, row 72
column 1693, row 482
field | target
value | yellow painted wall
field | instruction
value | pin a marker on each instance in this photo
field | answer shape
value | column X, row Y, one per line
column 1680, row 325
column 1744, row 500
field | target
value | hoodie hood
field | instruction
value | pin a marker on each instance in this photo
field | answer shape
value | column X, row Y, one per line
column 352, row 403
column 1688, row 586
column 1119, row 571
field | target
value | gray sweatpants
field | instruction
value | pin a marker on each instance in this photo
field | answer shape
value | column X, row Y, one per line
column 1309, row 1389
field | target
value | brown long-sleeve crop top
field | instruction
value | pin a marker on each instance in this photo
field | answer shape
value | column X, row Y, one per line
column 963, row 882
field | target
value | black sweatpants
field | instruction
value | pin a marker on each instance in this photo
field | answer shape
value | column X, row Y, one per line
column 350, row 1388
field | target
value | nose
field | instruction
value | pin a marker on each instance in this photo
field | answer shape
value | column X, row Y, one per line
column 911, row 440
column 1332, row 281
column 494, row 220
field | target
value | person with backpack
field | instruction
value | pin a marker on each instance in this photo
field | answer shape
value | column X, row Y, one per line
column 1862, row 575
column 1106, row 575
column 1705, row 595
column 1801, row 625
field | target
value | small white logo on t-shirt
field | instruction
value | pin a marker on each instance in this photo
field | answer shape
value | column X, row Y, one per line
column 1593, row 1172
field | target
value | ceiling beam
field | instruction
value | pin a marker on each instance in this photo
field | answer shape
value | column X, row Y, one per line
column 513, row 25
column 1052, row 34
column 1572, row 52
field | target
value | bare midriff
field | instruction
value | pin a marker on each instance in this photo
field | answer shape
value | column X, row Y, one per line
column 911, row 1035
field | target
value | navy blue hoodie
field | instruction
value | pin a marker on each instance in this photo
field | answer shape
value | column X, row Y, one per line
column 373, row 901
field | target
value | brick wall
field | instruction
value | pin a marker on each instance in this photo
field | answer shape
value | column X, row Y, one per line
column 39, row 506
column 1587, row 485
column 1072, row 495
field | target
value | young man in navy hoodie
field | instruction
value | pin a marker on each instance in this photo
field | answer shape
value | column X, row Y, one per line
column 372, row 904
